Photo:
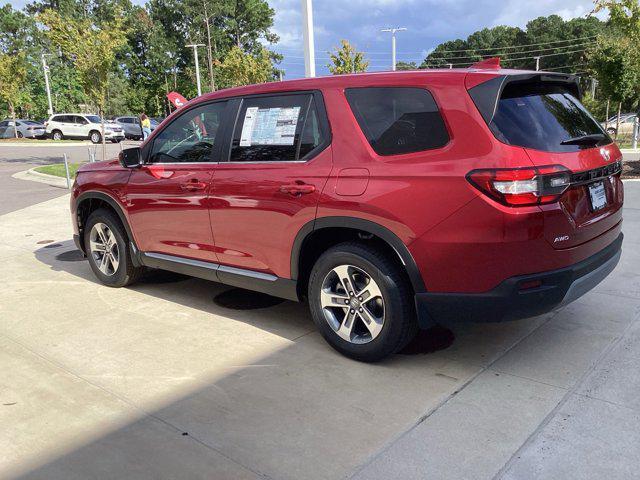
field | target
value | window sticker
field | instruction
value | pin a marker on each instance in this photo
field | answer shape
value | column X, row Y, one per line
column 269, row 126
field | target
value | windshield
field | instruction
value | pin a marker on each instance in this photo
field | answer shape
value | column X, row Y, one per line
column 93, row 118
column 543, row 117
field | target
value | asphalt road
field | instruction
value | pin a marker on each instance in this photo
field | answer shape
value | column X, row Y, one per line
column 16, row 194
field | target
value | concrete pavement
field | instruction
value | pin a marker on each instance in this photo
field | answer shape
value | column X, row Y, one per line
column 158, row 381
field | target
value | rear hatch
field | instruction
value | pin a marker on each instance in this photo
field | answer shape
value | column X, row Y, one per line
column 543, row 115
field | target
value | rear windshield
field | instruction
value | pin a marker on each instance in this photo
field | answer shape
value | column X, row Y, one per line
column 541, row 117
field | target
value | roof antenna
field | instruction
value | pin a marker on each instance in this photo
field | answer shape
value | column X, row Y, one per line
column 492, row 63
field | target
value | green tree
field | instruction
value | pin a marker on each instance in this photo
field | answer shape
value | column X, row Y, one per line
column 560, row 44
column 91, row 48
column 615, row 62
column 240, row 68
column 406, row 66
column 13, row 74
column 346, row 59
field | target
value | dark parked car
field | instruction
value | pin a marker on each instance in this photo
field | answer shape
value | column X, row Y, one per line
column 388, row 201
column 132, row 128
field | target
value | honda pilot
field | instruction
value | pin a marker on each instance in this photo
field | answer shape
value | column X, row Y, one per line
column 388, row 201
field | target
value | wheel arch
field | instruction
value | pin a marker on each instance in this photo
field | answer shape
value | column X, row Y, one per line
column 89, row 201
column 357, row 226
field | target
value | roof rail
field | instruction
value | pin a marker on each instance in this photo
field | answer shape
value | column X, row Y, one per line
column 492, row 63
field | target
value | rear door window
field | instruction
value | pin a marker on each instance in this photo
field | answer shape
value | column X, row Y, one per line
column 542, row 117
column 398, row 120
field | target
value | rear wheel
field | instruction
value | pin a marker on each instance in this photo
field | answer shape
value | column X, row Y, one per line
column 20, row 135
column 611, row 131
column 106, row 244
column 57, row 135
column 95, row 137
column 361, row 302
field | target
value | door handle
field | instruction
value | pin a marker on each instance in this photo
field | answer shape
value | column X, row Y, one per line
column 193, row 185
column 297, row 189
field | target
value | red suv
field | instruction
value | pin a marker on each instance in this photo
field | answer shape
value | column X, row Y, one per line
column 388, row 201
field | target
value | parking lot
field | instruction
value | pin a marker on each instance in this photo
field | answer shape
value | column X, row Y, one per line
column 163, row 379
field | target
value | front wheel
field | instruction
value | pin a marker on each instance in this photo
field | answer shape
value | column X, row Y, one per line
column 57, row 135
column 361, row 302
column 106, row 245
column 95, row 137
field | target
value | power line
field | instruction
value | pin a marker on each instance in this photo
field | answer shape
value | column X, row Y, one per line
column 512, row 53
column 518, row 46
column 525, row 58
column 509, row 47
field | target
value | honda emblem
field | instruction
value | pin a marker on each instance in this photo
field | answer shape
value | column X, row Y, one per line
column 605, row 154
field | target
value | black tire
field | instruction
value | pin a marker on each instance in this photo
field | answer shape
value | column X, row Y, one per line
column 95, row 136
column 57, row 135
column 400, row 324
column 126, row 273
column 20, row 135
column 611, row 131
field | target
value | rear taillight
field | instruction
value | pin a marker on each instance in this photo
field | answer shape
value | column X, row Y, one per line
column 518, row 187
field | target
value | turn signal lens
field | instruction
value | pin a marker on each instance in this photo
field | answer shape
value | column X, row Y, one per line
column 517, row 187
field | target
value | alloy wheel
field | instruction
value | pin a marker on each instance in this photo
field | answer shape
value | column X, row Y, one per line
column 352, row 304
column 104, row 249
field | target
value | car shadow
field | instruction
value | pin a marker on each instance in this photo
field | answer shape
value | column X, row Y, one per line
column 293, row 409
column 254, row 308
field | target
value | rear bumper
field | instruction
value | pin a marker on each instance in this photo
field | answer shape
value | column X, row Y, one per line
column 508, row 301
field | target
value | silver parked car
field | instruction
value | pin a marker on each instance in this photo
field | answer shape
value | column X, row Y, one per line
column 25, row 129
column 132, row 128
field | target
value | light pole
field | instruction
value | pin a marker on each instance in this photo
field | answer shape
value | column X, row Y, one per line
column 393, row 43
column 307, row 35
column 537, row 63
column 45, row 69
column 195, row 55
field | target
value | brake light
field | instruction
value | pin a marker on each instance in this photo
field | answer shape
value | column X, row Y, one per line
column 518, row 187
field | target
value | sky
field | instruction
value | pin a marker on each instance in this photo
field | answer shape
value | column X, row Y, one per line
column 428, row 23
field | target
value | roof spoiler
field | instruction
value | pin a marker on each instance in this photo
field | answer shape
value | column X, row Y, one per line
column 492, row 63
column 486, row 94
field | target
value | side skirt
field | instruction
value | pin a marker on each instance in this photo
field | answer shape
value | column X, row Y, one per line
column 237, row 277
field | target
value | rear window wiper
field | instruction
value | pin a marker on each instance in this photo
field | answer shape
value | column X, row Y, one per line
column 592, row 139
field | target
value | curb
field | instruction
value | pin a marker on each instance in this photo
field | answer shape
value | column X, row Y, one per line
column 34, row 176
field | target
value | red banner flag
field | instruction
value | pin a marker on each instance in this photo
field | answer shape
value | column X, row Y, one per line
column 176, row 99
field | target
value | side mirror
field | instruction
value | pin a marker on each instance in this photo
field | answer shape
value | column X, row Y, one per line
column 130, row 157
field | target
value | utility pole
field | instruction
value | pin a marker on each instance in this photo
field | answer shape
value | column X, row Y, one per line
column 45, row 68
column 212, row 84
column 393, row 43
column 537, row 63
column 594, row 83
column 307, row 35
column 195, row 55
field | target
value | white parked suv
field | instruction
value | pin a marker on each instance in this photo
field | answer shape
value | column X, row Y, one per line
column 79, row 125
